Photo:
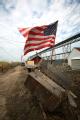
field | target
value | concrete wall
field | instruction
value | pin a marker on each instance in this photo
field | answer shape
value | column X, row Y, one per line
column 73, row 54
column 75, row 64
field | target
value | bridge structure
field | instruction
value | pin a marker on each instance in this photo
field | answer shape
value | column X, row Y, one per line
column 64, row 47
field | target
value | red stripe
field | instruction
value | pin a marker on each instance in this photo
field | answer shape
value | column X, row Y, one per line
column 38, row 48
column 37, row 44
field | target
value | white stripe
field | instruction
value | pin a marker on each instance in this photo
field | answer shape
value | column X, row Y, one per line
column 39, row 36
column 33, row 47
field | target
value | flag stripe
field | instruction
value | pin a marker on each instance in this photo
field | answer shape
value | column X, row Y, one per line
column 37, row 48
column 37, row 44
column 21, row 30
column 25, row 32
column 38, row 36
column 30, row 47
column 36, row 33
column 39, row 41
column 37, row 30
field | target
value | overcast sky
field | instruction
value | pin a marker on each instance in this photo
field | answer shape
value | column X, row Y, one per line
column 27, row 13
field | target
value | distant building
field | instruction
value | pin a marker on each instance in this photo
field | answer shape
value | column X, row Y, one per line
column 74, row 58
column 36, row 59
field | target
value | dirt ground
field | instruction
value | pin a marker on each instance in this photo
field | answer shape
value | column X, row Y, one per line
column 17, row 102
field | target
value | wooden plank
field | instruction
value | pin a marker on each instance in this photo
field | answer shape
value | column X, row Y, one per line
column 47, row 83
column 48, row 100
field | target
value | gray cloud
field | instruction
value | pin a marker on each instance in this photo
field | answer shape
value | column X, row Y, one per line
column 7, row 5
column 38, row 7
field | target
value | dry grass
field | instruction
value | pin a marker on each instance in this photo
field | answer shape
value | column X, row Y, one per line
column 4, row 66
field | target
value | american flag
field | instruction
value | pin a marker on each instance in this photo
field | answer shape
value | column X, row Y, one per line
column 39, row 37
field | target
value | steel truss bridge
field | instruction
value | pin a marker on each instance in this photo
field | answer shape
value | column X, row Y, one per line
column 65, row 45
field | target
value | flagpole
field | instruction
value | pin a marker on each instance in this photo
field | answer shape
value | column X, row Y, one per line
column 54, row 42
column 52, row 55
column 21, row 57
column 53, row 50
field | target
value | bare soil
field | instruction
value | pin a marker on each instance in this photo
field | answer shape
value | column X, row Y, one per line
column 16, row 101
